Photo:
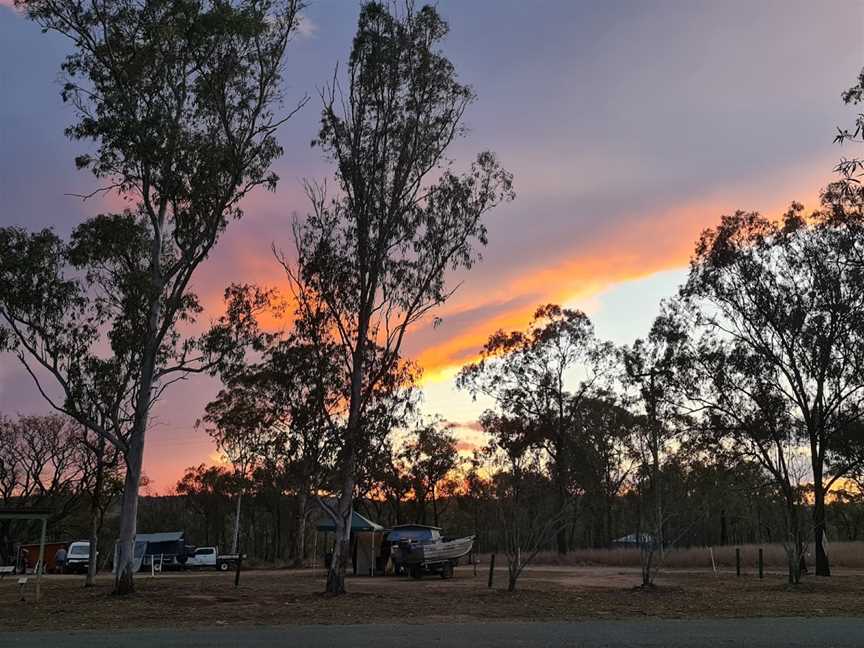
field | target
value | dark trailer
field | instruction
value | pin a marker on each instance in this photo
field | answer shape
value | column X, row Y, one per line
column 166, row 549
column 158, row 550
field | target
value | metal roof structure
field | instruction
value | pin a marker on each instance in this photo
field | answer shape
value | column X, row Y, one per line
column 167, row 536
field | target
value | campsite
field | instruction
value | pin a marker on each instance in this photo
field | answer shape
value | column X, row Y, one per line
column 547, row 593
column 441, row 313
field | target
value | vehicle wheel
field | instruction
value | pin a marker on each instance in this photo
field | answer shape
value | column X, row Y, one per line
column 416, row 572
column 447, row 571
column 223, row 566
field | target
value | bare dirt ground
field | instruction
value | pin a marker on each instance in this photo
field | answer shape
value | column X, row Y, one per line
column 208, row 599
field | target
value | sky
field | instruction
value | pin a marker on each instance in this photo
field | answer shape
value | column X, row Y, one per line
column 629, row 127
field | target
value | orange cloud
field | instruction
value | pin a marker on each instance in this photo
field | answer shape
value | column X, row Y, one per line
column 474, row 426
column 653, row 243
column 631, row 248
column 466, row 446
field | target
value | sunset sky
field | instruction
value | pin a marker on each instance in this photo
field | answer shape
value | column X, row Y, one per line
column 629, row 127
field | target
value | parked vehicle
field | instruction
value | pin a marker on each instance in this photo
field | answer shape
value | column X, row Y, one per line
column 210, row 558
column 78, row 557
column 421, row 549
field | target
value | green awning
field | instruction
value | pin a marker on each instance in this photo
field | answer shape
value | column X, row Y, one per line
column 358, row 523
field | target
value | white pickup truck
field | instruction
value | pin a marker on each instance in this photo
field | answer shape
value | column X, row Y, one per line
column 210, row 558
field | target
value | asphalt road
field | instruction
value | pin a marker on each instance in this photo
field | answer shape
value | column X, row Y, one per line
column 666, row 633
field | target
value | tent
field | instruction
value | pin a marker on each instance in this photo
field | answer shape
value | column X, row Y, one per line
column 366, row 538
column 167, row 548
column 358, row 523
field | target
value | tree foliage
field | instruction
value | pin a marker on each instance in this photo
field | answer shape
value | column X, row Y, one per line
column 377, row 253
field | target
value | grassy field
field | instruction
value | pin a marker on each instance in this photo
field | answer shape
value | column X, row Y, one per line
column 842, row 554
column 545, row 593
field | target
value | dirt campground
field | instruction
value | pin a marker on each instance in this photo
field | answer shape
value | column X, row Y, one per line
column 198, row 600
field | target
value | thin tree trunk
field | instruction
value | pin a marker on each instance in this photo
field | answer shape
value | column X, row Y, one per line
column 235, row 546
column 823, row 567
column 561, row 533
column 300, row 531
column 345, row 504
column 342, row 546
column 95, row 505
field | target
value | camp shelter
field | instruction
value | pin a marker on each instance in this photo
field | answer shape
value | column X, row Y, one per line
column 40, row 515
column 366, row 541
column 28, row 554
column 166, row 548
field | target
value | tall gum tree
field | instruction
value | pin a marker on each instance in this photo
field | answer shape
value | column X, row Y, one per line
column 791, row 294
column 179, row 98
column 651, row 379
column 283, row 409
column 733, row 393
column 378, row 253
column 542, row 377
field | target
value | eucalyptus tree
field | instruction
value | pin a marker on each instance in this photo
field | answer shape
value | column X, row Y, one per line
column 788, row 297
column 282, row 412
column 742, row 411
column 378, row 253
column 429, row 456
column 605, row 457
column 652, row 371
column 526, row 518
column 179, row 99
column 543, row 377
column 102, row 467
column 847, row 193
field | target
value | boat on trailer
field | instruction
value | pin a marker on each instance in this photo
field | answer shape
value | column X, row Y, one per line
column 421, row 549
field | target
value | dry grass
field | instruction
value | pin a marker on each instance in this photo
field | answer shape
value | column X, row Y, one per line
column 842, row 554
column 545, row 593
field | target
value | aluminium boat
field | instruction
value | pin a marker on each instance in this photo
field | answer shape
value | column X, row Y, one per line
column 415, row 544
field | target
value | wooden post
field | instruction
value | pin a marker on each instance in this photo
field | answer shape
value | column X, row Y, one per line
column 41, row 563
column 761, row 563
column 237, row 573
column 491, row 569
column 737, row 561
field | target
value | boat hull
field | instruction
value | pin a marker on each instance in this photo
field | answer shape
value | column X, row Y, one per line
column 419, row 553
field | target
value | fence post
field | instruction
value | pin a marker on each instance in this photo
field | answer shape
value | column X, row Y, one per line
column 737, row 561
column 761, row 563
column 491, row 569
